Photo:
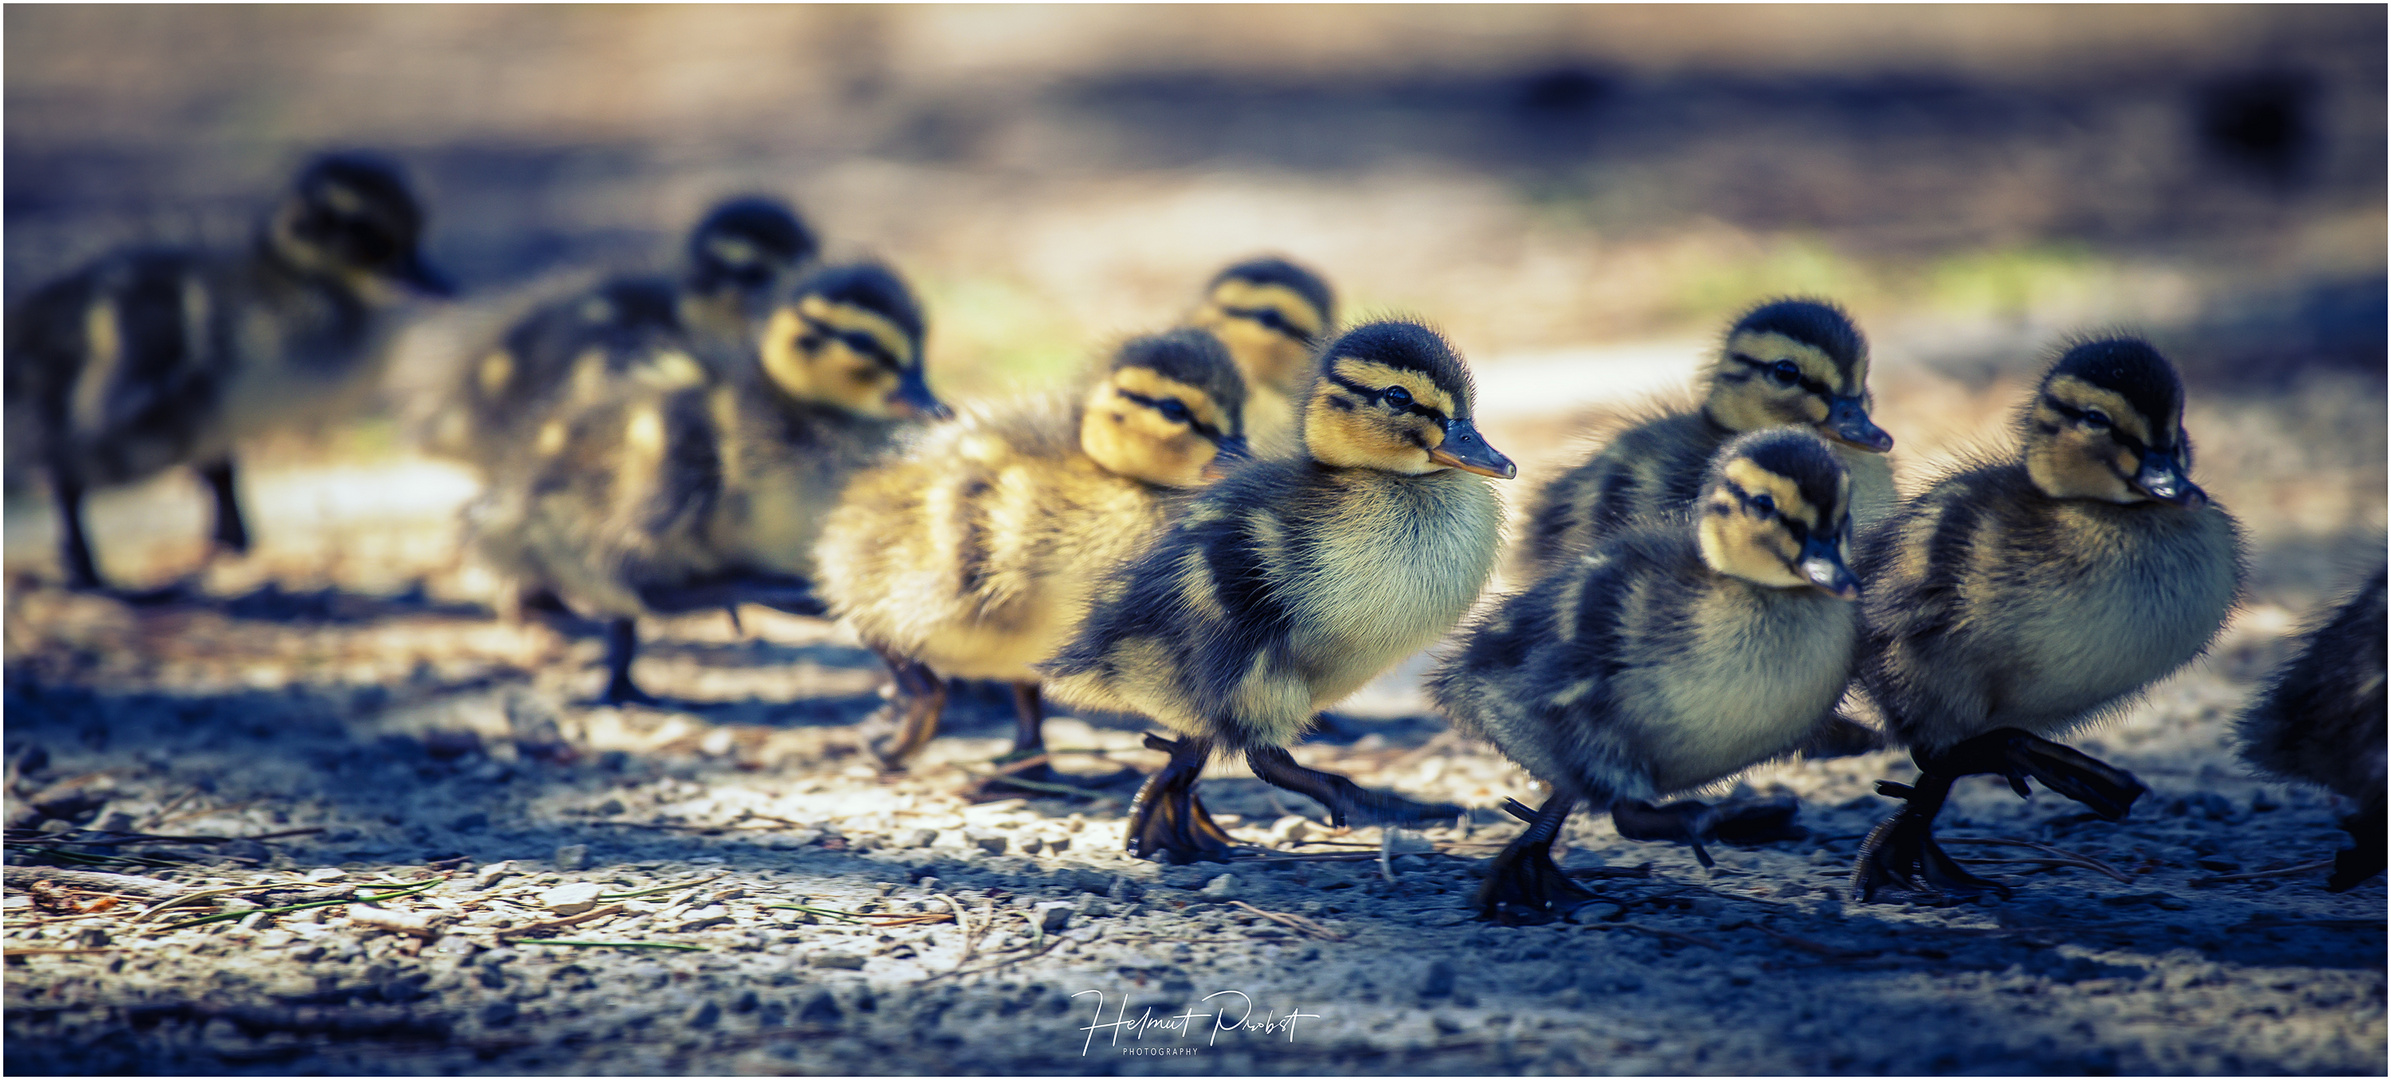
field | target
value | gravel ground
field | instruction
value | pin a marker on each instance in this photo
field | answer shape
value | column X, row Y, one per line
column 285, row 735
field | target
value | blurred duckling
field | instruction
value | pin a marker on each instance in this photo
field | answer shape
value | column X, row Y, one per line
column 974, row 554
column 742, row 256
column 670, row 493
column 1678, row 653
column 2021, row 599
column 1785, row 363
column 149, row 359
column 2320, row 720
column 1271, row 314
column 1290, row 583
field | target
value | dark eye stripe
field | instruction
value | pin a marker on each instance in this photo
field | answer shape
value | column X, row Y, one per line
column 1270, row 318
column 1802, row 380
column 857, row 340
column 1372, row 394
column 1201, row 428
column 2115, row 431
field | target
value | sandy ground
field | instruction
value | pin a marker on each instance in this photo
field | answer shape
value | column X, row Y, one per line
column 333, row 717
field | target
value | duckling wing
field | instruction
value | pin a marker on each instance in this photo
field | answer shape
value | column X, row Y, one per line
column 2320, row 717
column 1652, row 467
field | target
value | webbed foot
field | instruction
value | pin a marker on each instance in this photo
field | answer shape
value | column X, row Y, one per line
column 1167, row 822
column 1752, row 822
column 1523, row 886
column 1348, row 803
column 2105, row 789
column 897, row 731
column 2355, row 866
column 1901, row 853
column 1688, row 822
column 622, row 643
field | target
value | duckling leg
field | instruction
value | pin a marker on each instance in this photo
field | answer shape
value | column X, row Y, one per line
column 908, row 722
column 1524, row 887
column 622, row 643
column 1167, row 822
column 231, row 533
column 2354, row 866
column 1688, row 822
column 2009, row 752
column 74, row 551
column 1348, row 803
column 1901, row 850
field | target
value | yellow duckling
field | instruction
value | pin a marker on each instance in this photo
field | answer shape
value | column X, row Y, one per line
column 1785, row 363
column 742, row 256
column 974, row 554
column 2320, row 721
column 1290, row 583
column 149, row 359
column 1271, row 314
column 1678, row 653
column 672, row 494
column 2019, row 599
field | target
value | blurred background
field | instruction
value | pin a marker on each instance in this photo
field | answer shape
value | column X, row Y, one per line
column 1581, row 196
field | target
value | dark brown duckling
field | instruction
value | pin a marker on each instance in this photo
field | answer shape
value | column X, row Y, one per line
column 2320, row 721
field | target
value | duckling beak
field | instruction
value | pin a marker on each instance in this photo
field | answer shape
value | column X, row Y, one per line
column 1228, row 451
column 419, row 275
column 2162, row 478
column 1847, row 422
column 1823, row 565
column 1466, row 450
column 913, row 400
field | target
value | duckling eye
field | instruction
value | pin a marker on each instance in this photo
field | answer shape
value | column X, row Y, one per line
column 2096, row 420
column 1172, row 410
column 1395, row 397
column 1784, row 372
column 811, row 343
column 1764, row 503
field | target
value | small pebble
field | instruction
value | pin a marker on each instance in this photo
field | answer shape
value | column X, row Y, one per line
column 572, row 857
column 572, row 898
column 1222, row 886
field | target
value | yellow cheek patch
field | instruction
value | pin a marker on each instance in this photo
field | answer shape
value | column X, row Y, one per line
column 1147, row 382
column 2081, row 395
column 855, row 319
column 1291, row 306
column 732, row 250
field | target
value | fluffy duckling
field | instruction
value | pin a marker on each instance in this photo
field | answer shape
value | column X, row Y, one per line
column 670, row 493
column 2021, row 599
column 1271, row 314
column 1290, row 583
column 1676, row 654
column 149, row 359
column 742, row 256
column 2320, row 720
column 1787, row 362
column 974, row 554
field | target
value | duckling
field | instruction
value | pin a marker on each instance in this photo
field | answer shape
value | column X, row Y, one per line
column 1290, row 583
column 973, row 555
column 2019, row 599
column 1786, row 362
column 741, row 256
column 1677, row 653
column 671, row 493
column 2320, row 720
column 149, row 359
column 1271, row 314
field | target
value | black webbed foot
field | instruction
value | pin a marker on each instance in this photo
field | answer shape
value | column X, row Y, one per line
column 622, row 643
column 1900, row 852
column 2355, row 866
column 1688, row 823
column 1167, row 822
column 897, row 731
column 1348, row 803
column 2016, row 755
column 1523, row 886
column 230, row 532
column 1752, row 822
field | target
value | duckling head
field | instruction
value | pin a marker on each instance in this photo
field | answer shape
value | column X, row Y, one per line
column 1170, row 412
column 1394, row 396
column 748, row 245
column 1776, row 511
column 1271, row 314
column 1795, row 363
column 352, row 217
column 2106, row 423
column 851, row 337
